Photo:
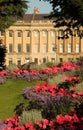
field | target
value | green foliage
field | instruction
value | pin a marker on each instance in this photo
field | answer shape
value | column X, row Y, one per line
column 67, row 13
column 79, row 87
column 10, row 96
column 50, row 64
column 10, row 11
column 30, row 116
column 19, row 109
column 2, row 55
column 61, row 106
column 56, row 79
column 41, row 67
column 25, row 66
column 78, row 105
column 35, row 66
column 12, row 67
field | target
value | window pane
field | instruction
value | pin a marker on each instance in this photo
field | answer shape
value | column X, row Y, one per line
column 10, row 61
column 44, row 33
column 19, row 47
column 1, row 33
column 36, row 60
column 27, row 47
column 10, row 48
column 77, row 48
column 44, row 48
column 10, row 33
column 52, row 33
column 28, row 33
column 61, row 48
column 36, row 48
column 19, row 33
column 53, row 60
column 61, row 33
column 36, row 33
column 61, row 59
column 53, row 48
column 44, row 60
column 69, row 48
column 19, row 62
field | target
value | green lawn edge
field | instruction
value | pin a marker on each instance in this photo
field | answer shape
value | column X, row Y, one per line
column 11, row 95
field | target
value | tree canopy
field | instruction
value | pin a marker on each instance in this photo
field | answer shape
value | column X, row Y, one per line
column 10, row 11
column 67, row 13
column 2, row 53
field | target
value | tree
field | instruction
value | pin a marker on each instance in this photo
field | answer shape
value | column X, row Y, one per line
column 67, row 13
column 2, row 53
column 10, row 11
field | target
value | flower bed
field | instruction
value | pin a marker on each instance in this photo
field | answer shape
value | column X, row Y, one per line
column 60, row 104
column 32, row 74
column 67, row 122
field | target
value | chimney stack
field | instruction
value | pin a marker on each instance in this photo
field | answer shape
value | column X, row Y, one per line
column 36, row 10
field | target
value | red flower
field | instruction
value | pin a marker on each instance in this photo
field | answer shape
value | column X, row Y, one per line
column 75, row 118
column 68, row 118
column 73, row 89
column 60, row 119
column 28, row 124
column 74, row 95
column 38, row 123
column 45, row 123
column 51, row 123
column 79, row 93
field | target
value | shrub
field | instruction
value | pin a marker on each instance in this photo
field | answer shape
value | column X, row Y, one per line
column 49, row 105
column 50, row 64
column 78, row 105
column 30, row 116
column 12, row 67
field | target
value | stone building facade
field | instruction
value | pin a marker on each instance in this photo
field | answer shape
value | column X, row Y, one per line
column 35, row 39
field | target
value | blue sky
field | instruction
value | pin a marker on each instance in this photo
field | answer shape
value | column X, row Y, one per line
column 44, row 7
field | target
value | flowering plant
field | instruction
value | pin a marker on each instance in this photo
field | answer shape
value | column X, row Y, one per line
column 69, row 121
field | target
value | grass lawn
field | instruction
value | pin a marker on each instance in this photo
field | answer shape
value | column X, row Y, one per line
column 10, row 96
